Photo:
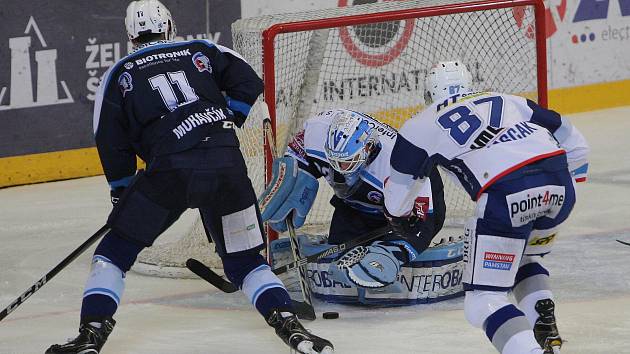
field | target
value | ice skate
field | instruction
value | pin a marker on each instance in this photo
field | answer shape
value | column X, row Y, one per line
column 89, row 341
column 291, row 331
column 545, row 328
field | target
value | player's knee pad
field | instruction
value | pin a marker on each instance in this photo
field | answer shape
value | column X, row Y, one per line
column 540, row 242
column 118, row 250
column 105, row 279
column 479, row 305
column 236, row 268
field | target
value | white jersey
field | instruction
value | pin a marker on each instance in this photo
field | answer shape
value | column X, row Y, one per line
column 479, row 137
column 308, row 148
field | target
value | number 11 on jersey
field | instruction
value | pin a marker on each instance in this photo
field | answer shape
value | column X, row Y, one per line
column 165, row 86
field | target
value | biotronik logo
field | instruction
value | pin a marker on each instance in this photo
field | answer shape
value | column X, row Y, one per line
column 375, row 44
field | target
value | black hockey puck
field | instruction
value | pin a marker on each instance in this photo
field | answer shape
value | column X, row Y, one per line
column 330, row 315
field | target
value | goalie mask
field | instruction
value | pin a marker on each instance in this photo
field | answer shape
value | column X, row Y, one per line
column 349, row 143
column 445, row 79
column 149, row 16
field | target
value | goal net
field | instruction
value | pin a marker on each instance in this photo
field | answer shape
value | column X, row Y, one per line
column 373, row 58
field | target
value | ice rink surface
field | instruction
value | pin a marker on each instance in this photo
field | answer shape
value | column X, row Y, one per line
column 41, row 224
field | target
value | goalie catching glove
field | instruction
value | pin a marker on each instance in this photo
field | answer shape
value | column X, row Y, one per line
column 376, row 265
column 291, row 190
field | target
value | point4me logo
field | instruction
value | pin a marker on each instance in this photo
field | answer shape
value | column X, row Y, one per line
column 375, row 44
column 21, row 92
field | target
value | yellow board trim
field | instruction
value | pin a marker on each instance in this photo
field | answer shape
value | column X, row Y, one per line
column 49, row 166
column 58, row 165
column 590, row 97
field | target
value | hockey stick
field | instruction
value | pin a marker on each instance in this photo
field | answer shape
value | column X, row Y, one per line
column 307, row 304
column 624, row 242
column 361, row 240
column 41, row 282
column 210, row 276
column 207, row 274
column 302, row 310
column 302, row 271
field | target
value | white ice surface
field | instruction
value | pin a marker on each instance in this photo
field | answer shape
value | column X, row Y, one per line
column 41, row 224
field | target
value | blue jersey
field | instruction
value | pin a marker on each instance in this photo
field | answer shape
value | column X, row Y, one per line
column 167, row 97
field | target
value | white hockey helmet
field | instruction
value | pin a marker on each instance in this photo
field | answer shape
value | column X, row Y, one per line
column 446, row 79
column 149, row 16
column 349, row 141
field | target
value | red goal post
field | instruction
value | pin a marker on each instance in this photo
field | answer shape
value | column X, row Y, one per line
column 269, row 35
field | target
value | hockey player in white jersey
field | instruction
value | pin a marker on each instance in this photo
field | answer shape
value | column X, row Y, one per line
column 518, row 161
column 351, row 150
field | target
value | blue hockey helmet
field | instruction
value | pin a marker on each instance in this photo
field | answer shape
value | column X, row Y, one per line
column 351, row 137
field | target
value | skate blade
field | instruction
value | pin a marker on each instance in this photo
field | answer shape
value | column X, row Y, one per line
column 306, row 347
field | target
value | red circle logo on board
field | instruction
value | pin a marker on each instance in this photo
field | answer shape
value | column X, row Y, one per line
column 375, row 44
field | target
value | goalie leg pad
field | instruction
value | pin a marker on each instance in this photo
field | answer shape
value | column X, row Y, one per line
column 299, row 201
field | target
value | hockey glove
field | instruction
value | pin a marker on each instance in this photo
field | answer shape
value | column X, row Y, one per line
column 374, row 266
column 115, row 194
column 410, row 228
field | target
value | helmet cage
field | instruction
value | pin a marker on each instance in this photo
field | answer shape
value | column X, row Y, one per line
column 349, row 142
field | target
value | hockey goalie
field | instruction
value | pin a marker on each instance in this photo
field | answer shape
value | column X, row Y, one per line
column 351, row 151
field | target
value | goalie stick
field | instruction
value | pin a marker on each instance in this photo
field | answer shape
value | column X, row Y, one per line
column 46, row 278
column 216, row 280
column 309, row 310
column 302, row 310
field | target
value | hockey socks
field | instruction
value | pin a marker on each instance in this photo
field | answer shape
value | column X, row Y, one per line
column 103, row 290
column 265, row 290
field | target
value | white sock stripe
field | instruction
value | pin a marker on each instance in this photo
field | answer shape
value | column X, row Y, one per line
column 264, row 288
column 105, row 278
column 258, row 280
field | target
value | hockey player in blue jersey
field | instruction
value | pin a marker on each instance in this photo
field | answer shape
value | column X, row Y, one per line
column 351, row 151
column 518, row 161
column 176, row 105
